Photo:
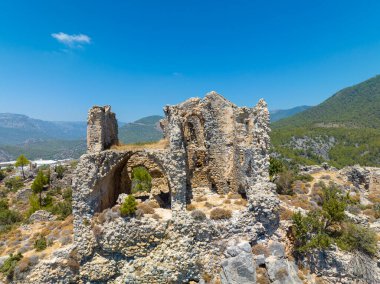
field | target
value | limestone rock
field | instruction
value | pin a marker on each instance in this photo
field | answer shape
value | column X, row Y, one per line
column 239, row 268
column 41, row 216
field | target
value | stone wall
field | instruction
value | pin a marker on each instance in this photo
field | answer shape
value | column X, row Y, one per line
column 102, row 129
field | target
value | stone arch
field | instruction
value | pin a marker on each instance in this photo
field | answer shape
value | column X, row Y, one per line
column 119, row 180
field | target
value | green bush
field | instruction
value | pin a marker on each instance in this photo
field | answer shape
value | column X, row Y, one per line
column 2, row 175
column 333, row 203
column 357, row 237
column 276, row 166
column 320, row 228
column 62, row 209
column 14, row 183
column 141, row 180
column 9, row 265
column 129, row 206
column 7, row 217
column 284, row 182
column 60, row 170
column 40, row 244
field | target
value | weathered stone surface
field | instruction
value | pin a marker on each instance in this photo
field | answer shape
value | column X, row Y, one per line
column 41, row 216
column 239, row 268
column 102, row 129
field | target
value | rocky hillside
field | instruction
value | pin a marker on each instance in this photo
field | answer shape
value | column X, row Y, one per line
column 345, row 128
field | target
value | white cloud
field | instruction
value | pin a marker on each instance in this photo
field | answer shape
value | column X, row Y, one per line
column 72, row 41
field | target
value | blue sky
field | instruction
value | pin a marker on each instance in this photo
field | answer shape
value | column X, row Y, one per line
column 58, row 58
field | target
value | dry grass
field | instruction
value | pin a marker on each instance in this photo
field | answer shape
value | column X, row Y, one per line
column 241, row 202
column 234, row 195
column 220, row 213
column 262, row 277
column 145, row 207
column 285, row 214
column 190, row 207
column 162, row 144
column 200, row 198
column 259, row 249
column 227, row 201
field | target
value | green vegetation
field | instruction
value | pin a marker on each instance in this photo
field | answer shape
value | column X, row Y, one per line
column 320, row 228
column 14, row 183
column 129, row 206
column 2, row 174
column 7, row 217
column 351, row 116
column 141, row 180
column 284, row 176
column 142, row 130
column 22, row 161
column 60, row 170
column 9, row 265
column 38, row 184
column 63, row 208
column 40, row 244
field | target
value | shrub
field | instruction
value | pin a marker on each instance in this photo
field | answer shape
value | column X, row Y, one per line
column 333, row 204
column 141, row 180
column 190, row 207
column 304, row 178
column 198, row 215
column 14, row 183
column 285, row 214
column 9, row 265
column 67, row 194
column 284, row 183
column 60, row 170
column 242, row 202
column 275, row 166
column 220, row 213
column 62, row 209
column 259, row 249
column 7, row 217
column 2, row 175
column 144, row 207
column 129, row 206
column 40, row 244
column 200, row 198
column 357, row 237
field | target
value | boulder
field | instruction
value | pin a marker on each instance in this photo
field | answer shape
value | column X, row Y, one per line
column 240, row 268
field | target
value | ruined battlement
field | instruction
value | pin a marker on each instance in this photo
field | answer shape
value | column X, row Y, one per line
column 102, row 129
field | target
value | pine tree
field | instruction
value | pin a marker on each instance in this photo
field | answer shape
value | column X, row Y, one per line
column 22, row 161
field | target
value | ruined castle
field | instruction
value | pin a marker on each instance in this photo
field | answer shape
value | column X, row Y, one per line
column 210, row 146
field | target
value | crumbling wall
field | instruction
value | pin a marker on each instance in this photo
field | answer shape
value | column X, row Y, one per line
column 102, row 129
column 226, row 146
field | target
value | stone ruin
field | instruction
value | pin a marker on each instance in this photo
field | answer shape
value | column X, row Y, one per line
column 210, row 146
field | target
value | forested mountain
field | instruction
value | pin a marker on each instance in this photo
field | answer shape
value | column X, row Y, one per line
column 343, row 130
column 276, row 115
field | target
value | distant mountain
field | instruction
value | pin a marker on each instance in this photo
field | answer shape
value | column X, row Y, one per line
column 345, row 129
column 276, row 115
column 356, row 106
column 20, row 134
column 146, row 129
column 18, row 128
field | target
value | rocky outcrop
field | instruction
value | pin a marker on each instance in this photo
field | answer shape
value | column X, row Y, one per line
column 41, row 216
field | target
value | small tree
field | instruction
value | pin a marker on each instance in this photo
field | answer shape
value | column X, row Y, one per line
column 38, row 185
column 22, row 161
column 129, row 206
column 60, row 171
column 141, row 180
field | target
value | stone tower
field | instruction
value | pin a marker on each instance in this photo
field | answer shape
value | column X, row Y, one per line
column 102, row 129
